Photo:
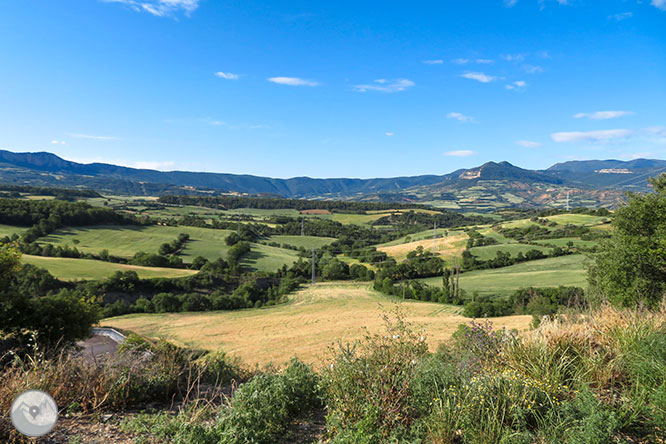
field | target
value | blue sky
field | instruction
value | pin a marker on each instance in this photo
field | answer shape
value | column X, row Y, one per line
column 333, row 89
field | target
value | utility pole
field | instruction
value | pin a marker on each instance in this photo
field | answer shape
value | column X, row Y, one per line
column 313, row 266
column 238, row 229
column 434, row 236
column 303, row 227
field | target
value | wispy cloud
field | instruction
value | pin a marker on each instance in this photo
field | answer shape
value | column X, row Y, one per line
column 462, row 61
column 292, row 81
column 459, row 153
column 621, row 16
column 479, row 77
column 533, row 69
column 519, row 84
column 603, row 115
column 91, row 137
column 58, row 142
column 528, row 144
column 389, row 134
column 384, row 85
column 433, row 62
column 459, row 116
column 160, row 8
column 659, row 4
column 591, row 136
column 510, row 3
column 227, row 75
column 513, row 57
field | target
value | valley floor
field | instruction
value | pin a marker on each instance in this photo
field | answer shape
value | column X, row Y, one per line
column 313, row 319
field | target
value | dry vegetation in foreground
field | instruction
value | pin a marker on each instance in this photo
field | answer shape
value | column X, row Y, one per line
column 314, row 318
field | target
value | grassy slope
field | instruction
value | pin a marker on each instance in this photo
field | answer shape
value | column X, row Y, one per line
column 490, row 251
column 75, row 269
column 125, row 241
column 313, row 319
column 447, row 247
column 8, row 230
column 552, row 272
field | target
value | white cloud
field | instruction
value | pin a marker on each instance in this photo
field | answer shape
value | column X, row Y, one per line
column 459, row 153
column 384, row 85
column 528, row 144
column 603, row 115
column 621, row 16
column 484, row 61
column 160, row 8
column 659, row 4
column 389, row 134
column 433, row 62
column 513, row 57
column 58, row 142
column 460, row 61
column 227, row 75
column 479, row 76
column 591, row 136
column 460, row 117
column 292, row 81
column 536, row 69
column 516, row 85
column 510, row 3
column 91, row 137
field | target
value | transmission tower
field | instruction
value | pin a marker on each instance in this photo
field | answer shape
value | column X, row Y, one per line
column 567, row 200
column 434, row 236
column 313, row 266
column 303, row 227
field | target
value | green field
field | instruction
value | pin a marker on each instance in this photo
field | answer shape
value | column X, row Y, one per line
column 86, row 269
column 8, row 230
column 562, row 242
column 125, row 241
column 578, row 219
column 265, row 258
column 490, row 251
column 307, row 242
column 551, row 272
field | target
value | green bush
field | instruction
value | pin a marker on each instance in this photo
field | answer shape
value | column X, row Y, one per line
column 261, row 409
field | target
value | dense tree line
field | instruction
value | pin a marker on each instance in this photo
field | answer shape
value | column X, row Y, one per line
column 58, row 193
column 443, row 219
column 234, row 202
column 532, row 301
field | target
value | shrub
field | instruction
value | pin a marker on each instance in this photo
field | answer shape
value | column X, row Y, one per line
column 262, row 408
column 368, row 385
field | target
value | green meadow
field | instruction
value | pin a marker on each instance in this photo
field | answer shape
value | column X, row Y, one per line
column 8, row 230
column 307, row 242
column 552, row 272
column 86, row 269
column 490, row 251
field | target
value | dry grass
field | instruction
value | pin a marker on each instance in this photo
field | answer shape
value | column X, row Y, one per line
column 314, row 318
column 447, row 247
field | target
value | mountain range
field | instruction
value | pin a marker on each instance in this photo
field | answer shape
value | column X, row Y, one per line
column 491, row 185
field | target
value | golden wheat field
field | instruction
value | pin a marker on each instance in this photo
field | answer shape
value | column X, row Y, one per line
column 313, row 319
column 448, row 247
